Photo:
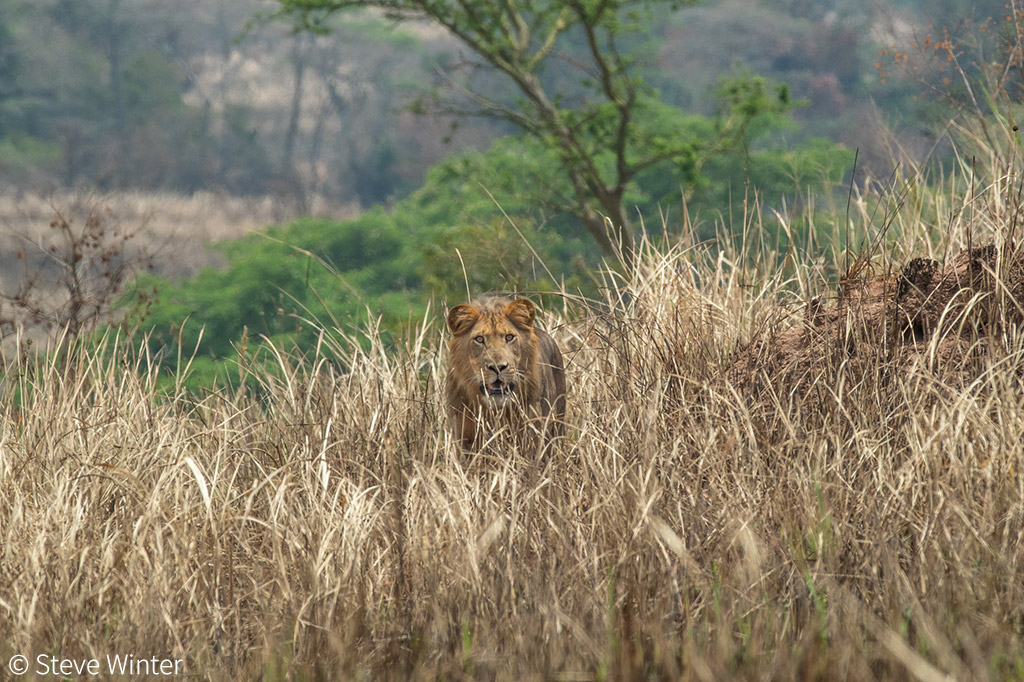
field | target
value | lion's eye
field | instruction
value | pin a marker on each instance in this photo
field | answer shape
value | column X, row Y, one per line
column 509, row 338
column 478, row 339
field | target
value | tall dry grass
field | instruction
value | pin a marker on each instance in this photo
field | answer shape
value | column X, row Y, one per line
column 321, row 524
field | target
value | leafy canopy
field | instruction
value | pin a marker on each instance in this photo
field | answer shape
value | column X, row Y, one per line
column 579, row 92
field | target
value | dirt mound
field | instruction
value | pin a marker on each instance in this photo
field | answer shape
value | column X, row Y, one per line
column 944, row 315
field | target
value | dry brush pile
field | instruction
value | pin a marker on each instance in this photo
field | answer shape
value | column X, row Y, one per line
column 858, row 516
column 941, row 315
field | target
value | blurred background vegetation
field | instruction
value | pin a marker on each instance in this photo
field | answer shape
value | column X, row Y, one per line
column 219, row 96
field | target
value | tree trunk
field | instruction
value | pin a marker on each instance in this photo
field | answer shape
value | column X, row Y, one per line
column 113, row 47
column 294, row 120
column 612, row 230
column 621, row 227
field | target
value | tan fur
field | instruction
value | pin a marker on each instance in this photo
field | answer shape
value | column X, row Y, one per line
column 502, row 371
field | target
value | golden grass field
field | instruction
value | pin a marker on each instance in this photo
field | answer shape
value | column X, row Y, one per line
column 324, row 526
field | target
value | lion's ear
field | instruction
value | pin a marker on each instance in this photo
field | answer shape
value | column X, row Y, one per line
column 521, row 312
column 461, row 318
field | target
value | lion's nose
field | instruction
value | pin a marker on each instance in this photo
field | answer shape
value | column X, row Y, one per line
column 498, row 369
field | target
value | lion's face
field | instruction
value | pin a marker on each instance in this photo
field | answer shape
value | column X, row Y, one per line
column 490, row 350
column 502, row 372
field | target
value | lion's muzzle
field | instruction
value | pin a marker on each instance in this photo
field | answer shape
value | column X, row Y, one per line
column 497, row 391
column 497, row 388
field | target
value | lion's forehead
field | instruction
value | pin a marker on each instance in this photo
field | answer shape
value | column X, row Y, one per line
column 493, row 325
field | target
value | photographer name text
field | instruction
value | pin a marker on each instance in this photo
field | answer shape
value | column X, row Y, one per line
column 117, row 664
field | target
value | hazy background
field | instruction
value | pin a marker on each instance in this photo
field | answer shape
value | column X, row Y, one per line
column 203, row 95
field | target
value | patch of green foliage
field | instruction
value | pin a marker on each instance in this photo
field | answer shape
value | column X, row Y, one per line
column 278, row 280
column 20, row 154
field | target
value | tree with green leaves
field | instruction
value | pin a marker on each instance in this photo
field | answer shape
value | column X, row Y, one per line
column 606, row 135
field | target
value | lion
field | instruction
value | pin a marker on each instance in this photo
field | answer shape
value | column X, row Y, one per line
column 502, row 371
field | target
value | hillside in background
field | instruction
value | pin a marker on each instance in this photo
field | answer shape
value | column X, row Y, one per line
column 138, row 94
column 133, row 94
